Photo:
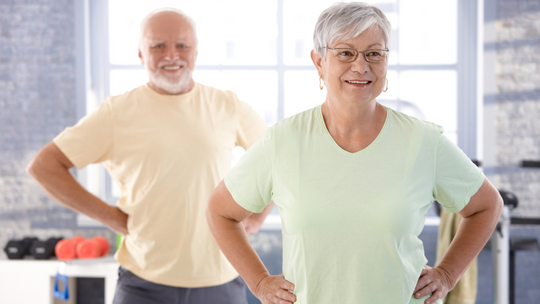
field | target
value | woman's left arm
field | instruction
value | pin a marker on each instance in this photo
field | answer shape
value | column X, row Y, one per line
column 480, row 216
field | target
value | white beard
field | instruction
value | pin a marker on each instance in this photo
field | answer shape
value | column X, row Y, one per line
column 168, row 85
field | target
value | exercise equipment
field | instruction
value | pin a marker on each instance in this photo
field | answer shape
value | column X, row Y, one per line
column 504, row 247
column 18, row 249
column 103, row 244
column 88, row 249
column 530, row 163
column 61, row 278
column 43, row 250
column 79, row 247
column 65, row 249
column 94, row 248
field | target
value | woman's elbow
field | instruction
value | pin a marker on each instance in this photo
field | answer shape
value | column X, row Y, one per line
column 499, row 205
column 209, row 212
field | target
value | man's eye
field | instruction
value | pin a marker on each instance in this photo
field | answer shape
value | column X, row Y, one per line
column 157, row 46
column 183, row 46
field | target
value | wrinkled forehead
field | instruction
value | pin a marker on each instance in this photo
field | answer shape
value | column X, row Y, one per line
column 372, row 32
column 168, row 25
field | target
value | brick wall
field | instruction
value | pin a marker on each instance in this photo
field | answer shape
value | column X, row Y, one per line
column 518, row 101
column 517, row 137
column 37, row 94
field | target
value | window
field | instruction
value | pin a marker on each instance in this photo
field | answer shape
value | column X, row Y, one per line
column 261, row 51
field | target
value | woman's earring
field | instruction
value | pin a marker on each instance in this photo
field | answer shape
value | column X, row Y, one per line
column 320, row 84
column 385, row 89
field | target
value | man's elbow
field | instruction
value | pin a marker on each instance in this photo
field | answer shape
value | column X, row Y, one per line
column 31, row 168
column 37, row 167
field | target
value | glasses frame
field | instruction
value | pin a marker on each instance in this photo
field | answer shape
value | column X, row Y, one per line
column 386, row 50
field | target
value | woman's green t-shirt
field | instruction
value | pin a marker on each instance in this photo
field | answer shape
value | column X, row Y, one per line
column 351, row 220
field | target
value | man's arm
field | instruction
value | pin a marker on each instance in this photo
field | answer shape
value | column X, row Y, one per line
column 50, row 168
column 480, row 216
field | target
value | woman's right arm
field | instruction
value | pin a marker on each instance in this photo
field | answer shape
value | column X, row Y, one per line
column 224, row 216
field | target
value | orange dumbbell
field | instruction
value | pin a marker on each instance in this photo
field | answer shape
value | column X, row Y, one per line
column 66, row 249
column 94, row 248
column 79, row 247
column 88, row 249
column 103, row 244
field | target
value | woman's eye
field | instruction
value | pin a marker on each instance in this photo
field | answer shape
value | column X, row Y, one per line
column 346, row 53
column 374, row 54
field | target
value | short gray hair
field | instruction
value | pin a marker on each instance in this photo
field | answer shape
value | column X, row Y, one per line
column 346, row 21
column 144, row 22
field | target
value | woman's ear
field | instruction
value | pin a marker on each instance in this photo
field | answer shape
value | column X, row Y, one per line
column 317, row 61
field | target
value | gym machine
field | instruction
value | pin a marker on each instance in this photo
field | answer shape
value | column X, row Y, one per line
column 504, row 247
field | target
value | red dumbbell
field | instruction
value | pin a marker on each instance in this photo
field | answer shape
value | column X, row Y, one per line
column 79, row 247
column 104, row 245
column 88, row 249
column 94, row 248
column 66, row 249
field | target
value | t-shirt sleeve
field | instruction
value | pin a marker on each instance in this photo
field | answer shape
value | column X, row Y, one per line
column 251, row 127
column 457, row 179
column 250, row 181
column 90, row 140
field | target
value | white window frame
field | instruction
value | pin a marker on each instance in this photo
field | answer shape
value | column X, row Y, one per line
column 93, row 70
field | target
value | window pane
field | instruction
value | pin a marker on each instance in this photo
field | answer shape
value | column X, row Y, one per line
column 434, row 93
column 299, row 18
column 258, row 88
column 431, row 37
column 222, row 39
column 302, row 91
column 122, row 81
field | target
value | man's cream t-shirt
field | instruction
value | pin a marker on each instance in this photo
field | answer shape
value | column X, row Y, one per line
column 167, row 154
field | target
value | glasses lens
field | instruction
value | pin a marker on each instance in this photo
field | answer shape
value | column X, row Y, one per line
column 375, row 55
column 345, row 55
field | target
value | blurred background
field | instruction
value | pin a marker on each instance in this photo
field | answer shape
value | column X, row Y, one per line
column 471, row 66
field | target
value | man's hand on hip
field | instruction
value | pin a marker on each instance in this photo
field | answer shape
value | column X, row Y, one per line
column 117, row 221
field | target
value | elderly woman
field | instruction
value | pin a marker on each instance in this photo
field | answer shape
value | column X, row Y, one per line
column 353, row 181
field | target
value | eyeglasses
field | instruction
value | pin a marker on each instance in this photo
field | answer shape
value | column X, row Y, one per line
column 350, row 55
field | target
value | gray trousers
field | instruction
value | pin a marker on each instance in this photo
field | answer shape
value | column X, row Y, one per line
column 131, row 289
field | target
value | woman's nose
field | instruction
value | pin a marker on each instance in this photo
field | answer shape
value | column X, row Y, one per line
column 360, row 65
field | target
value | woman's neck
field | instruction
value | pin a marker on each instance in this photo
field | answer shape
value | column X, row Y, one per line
column 353, row 126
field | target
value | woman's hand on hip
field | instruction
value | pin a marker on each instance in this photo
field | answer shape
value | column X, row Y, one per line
column 275, row 290
column 434, row 281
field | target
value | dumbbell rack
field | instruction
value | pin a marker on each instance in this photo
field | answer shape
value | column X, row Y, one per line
column 29, row 280
column 504, row 247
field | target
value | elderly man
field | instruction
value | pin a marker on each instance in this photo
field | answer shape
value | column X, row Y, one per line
column 167, row 144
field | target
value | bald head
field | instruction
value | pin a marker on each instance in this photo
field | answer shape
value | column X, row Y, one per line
column 164, row 12
column 168, row 50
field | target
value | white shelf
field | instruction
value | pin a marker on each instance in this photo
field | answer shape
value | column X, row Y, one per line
column 29, row 281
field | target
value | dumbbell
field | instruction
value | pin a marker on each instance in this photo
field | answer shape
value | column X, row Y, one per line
column 66, row 248
column 17, row 249
column 96, row 247
column 82, row 248
column 43, row 250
